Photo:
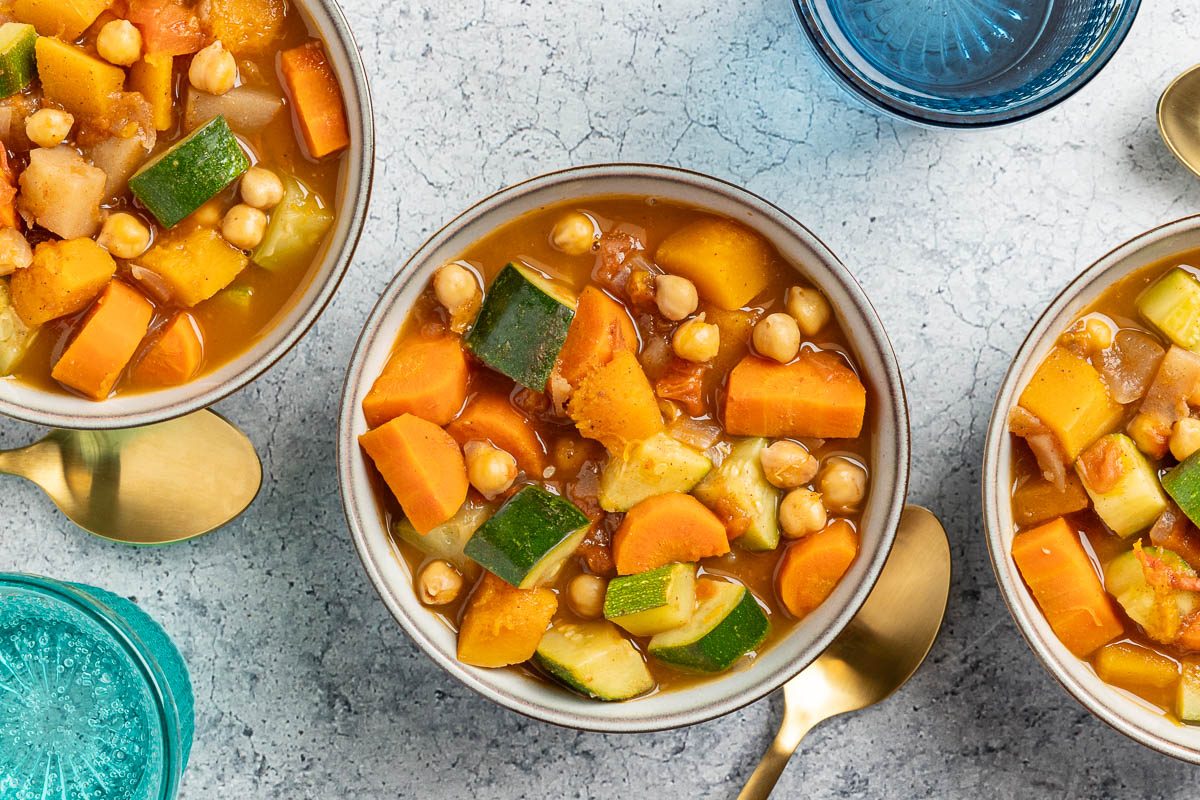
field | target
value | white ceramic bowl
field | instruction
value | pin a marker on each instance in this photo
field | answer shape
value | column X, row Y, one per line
column 64, row 410
column 1122, row 710
column 887, row 421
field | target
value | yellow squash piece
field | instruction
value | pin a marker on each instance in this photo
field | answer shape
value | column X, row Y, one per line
column 729, row 264
column 1133, row 667
column 1068, row 396
column 64, row 278
column 153, row 78
column 195, row 264
column 66, row 19
column 80, row 83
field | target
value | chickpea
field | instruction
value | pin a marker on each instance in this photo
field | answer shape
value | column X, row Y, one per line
column 1088, row 336
column 696, row 340
column 213, row 69
column 455, row 287
column 802, row 513
column 788, row 465
column 49, row 127
column 244, row 227
column 676, row 297
column 809, row 308
column 261, row 189
column 439, row 583
column 208, row 215
column 124, row 236
column 120, row 43
column 777, row 336
column 843, row 485
column 1185, row 438
column 15, row 252
column 585, row 594
column 489, row 469
column 573, row 234
column 1148, row 434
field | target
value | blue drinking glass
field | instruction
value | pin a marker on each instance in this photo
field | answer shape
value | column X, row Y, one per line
column 965, row 63
column 95, row 700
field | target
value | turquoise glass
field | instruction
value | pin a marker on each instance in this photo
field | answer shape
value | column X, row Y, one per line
column 95, row 700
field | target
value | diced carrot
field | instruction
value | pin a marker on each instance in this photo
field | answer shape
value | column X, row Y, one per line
column 425, row 377
column 811, row 567
column 316, row 98
column 503, row 625
column 601, row 328
column 422, row 465
column 1066, row 587
column 490, row 415
column 168, row 27
column 816, row 395
column 105, row 342
column 664, row 529
column 174, row 354
column 8, row 192
column 615, row 405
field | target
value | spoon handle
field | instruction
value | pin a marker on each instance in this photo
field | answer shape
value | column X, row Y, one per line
column 770, row 767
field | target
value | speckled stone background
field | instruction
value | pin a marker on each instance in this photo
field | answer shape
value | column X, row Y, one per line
column 305, row 686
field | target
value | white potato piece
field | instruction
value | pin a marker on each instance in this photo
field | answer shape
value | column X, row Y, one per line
column 62, row 192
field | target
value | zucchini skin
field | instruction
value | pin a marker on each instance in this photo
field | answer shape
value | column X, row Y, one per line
column 524, row 531
column 743, row 629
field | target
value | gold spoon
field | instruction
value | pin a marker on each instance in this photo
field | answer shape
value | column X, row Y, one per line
column 1179, row 118
column 878, row 651
column 150, row 485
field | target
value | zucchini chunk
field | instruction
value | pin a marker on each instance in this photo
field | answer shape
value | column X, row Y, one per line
column 522, row 326
column 18, row 62
column 15, row 335
column 1187, row 698
column 446, row 541
column 653, row 601
column 653, row 466
column 1160, row 613
column 595, row 660
column 1172, row 306
column 297, row 226
column 726, row 625
column 1183, row 485
column 529, row 538
column 739, row 486
column 1122, row 484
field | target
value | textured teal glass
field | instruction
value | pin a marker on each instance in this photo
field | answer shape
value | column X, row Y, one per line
column 95, row 700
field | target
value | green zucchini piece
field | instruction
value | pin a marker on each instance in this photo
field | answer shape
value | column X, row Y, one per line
column 529, row 538
column 1187, row 698
column 18, row 61
column 178, row 181
column 594, row 659
column 654, row 466
column 1182, row 483
column 1136, row 499
column 740, row 485
column 297, row 226
column 1159, row 613
column 15, row 335
column 522, row 326
column 653, row 601
column 447, row 540
column 726, row 625
column 1172, row 305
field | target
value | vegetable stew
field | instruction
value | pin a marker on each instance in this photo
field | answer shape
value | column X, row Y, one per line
column 167, row 180
column 619, row 446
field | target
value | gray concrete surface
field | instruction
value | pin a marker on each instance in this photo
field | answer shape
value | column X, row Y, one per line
column 307, row 689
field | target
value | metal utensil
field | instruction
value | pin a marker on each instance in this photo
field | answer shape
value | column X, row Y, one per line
column 1179, row 118
column 878, row 651
column 149, row 485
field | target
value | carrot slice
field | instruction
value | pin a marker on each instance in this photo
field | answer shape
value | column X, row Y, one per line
column 503, row 625
column 316, row 98
column 491, row 416
column 168, row 27
column 422, row 466
column 173, row 355
column 811, row 568
column 664, row 529
column 601, row 328
column 816, row 395
column 105, row 342
column 1065, row 585
column 615, row 405
column 425, row 377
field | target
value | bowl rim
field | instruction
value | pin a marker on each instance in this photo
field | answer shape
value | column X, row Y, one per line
column 896, row 407
column 309, row 304
column 839, row 68
column 1106, row 270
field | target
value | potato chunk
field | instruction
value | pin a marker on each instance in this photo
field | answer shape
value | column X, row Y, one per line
column 62, row 192
column 64, row 278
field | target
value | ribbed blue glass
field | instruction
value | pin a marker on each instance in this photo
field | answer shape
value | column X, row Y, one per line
column 95, row 700
column 963, row 63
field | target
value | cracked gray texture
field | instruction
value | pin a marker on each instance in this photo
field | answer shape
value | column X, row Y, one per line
column 305, row 686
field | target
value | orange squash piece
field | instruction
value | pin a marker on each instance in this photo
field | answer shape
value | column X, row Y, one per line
column 503, row 625
column 1068, row 395
column 811, row 567
column 316, row 99
column 615, row 404
column 425, row 377
column 729, row 263
column 174, row 354
column 1066, row 587
column 105, row 342
column 422, row 465
column 64, row 278
column 664, row 529
column 601, row 328
column 490, row 415
column 817, row 395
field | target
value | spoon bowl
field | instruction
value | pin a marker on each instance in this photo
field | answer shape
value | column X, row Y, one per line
column 1179, row 118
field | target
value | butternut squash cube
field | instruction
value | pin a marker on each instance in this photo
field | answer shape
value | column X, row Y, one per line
column 64, row 278
column 729, row 263
column 79, row 82
column 503, row 625
column 153, row 78
column 195, row 264
column 1068, row 396
column 66, row 19
column 615, row 404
